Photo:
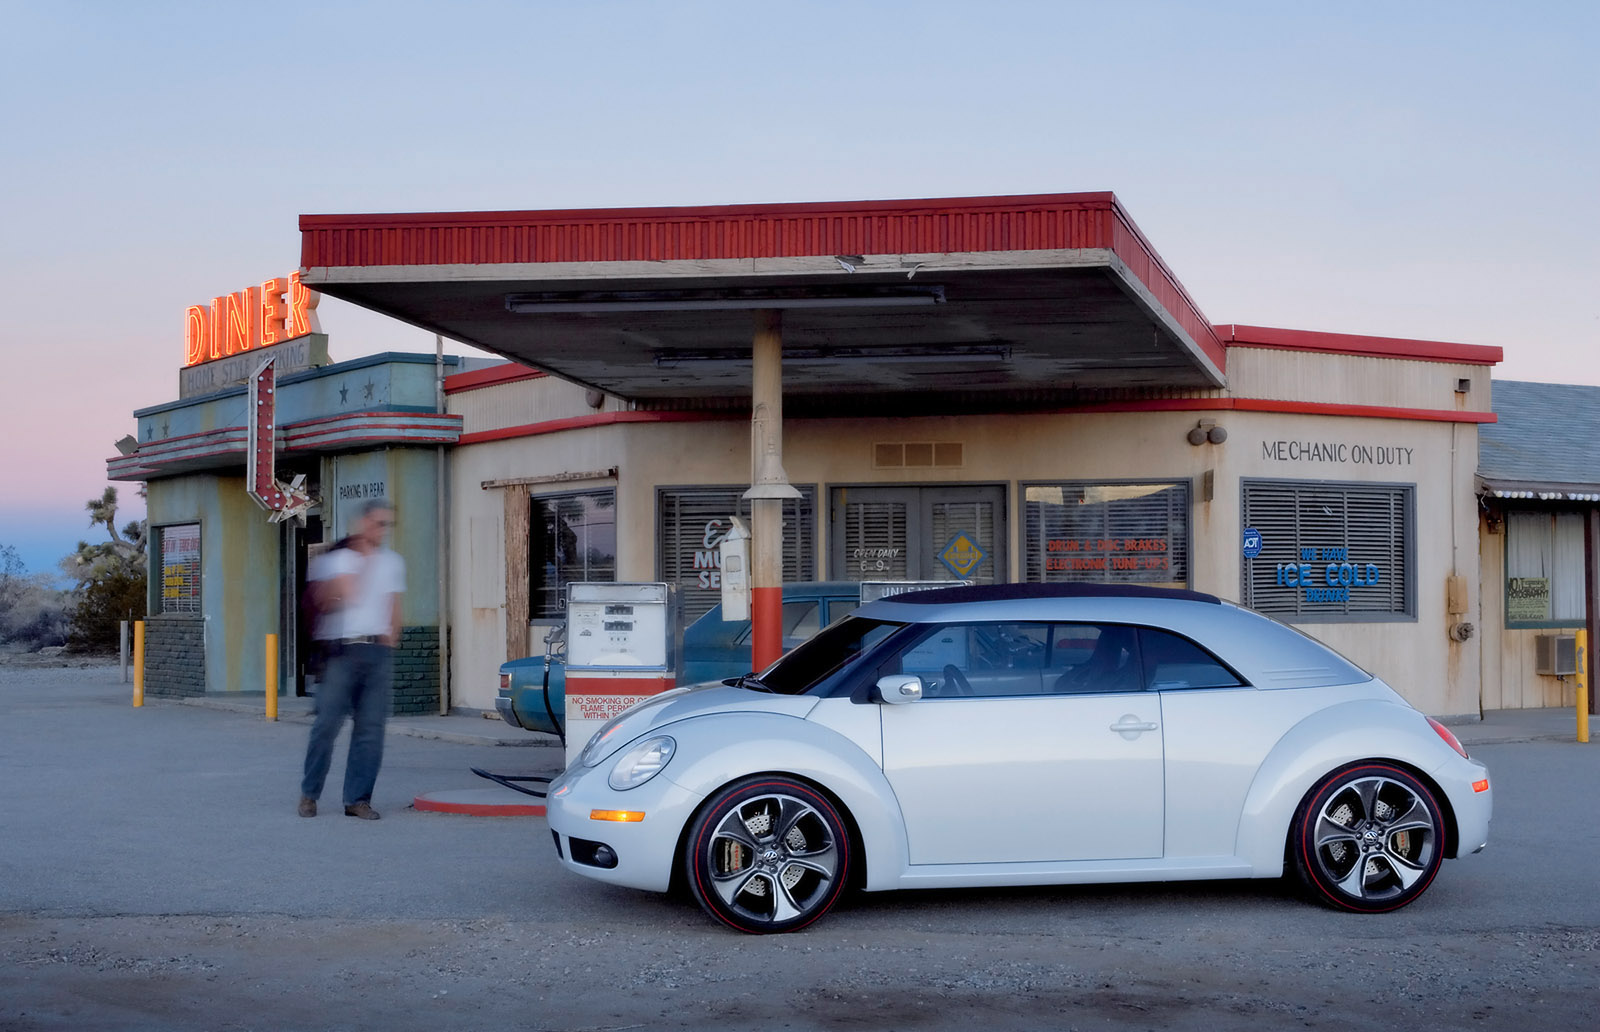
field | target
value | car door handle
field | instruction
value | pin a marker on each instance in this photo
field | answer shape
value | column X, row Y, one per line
column 1129, row 725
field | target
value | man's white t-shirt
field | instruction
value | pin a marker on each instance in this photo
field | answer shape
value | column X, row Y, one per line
column 380, row 575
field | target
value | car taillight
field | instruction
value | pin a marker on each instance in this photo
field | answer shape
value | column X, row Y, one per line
column 505, row 682
column 1449, row 739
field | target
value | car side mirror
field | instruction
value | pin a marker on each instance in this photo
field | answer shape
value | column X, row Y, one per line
column 898, row 689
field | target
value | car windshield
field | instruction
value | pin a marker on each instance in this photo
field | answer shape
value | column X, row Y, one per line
column 813, row 660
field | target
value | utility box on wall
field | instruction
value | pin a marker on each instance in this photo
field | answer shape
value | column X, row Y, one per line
column 1555, row 654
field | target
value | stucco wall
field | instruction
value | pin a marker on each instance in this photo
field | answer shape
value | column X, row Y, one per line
column 477, row 540
column 239, row 589
column 406, row 478
column 1417, row 657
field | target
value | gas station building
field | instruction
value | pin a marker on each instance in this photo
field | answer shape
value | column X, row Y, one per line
column 988, row 389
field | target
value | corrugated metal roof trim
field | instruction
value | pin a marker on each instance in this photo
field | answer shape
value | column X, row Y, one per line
column 505, row 372
column 941, row 226
column 691, row 234
column 1355, row 344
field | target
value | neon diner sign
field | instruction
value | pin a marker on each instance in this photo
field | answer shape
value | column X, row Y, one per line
column 278, row 310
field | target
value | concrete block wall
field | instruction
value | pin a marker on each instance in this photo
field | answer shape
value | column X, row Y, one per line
column 175, row 656
column 416, row 671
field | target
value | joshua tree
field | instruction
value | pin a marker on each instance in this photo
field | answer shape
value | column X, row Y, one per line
column 110, row 575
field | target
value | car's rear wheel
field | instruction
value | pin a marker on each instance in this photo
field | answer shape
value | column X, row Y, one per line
column 767, row 854
column 1368, row 838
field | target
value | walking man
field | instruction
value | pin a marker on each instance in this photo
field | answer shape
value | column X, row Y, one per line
column 358, row 584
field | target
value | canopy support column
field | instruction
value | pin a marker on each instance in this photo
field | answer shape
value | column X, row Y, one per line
column 769, row 487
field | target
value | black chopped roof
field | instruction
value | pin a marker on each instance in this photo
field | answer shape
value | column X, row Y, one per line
column 1007, row 592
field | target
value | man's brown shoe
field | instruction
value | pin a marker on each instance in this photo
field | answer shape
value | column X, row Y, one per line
column 362, row 810
column 308, row 806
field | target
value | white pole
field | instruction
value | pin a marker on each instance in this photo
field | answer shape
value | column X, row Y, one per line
column 441, row 532
column 122, row 648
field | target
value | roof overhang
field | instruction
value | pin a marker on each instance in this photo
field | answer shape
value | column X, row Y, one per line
column 1538, row 490
column 966, row 303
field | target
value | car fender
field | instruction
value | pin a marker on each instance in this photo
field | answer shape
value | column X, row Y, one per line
column 724, row 747
column 1362, row 729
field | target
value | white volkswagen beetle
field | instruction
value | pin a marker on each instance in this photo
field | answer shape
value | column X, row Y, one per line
column 1024, row 735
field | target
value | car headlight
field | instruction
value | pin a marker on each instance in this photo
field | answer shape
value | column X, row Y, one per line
column 641, row 763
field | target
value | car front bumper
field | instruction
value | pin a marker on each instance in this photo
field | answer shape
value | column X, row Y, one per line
column 1471, row 793
column 644, row 850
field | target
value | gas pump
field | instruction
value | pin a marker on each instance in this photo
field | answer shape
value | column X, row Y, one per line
column 735, row 553
column 619, row 652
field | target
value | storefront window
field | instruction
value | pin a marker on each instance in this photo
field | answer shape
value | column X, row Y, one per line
column 1107, row 532
column 693, row 522
column 572, row 537
column 1329, row 552
column 178, row 557
column 1544, row 569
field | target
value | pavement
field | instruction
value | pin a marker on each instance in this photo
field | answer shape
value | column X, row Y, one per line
column 1497, row 727
column 463, row 727
column 473, row 727
column 544, row 753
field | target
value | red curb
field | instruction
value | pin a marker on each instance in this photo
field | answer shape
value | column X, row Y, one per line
column 455, row 802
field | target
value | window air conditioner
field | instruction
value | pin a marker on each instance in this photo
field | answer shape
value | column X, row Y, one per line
column 1555, row 654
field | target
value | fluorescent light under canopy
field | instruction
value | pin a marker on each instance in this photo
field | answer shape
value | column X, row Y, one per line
column 961, row 354
column 729, row 299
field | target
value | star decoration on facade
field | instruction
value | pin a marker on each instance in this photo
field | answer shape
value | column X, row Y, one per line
column 367, row 389
column 149, row 433
column 294, row 501
column 166, row 428
column 344, row 393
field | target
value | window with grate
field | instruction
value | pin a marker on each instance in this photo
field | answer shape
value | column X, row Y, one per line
column 1107, row 532
column 178, row 557
column 693, row 522
column 571, row 537
column 1330, row 551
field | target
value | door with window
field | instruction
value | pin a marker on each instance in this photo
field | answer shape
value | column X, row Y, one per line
column 1060, row 753
column 919, row 533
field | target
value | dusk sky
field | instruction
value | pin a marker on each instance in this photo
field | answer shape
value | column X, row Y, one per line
column 1422, row 170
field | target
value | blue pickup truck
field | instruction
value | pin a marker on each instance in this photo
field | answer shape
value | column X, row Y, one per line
column 713, row 649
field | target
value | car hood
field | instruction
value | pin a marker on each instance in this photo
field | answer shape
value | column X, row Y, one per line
column 683, row 703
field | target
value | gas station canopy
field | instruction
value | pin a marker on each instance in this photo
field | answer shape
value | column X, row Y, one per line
column 964, row 304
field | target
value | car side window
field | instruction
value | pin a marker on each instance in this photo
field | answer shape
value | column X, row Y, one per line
column 801, row 620
column 1174, row 662
column 1094, row 658
column 841, row 607
column 982, row 660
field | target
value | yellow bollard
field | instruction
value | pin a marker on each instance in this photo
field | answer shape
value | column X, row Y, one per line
column 272, row 677
column 1583, row 685
column 138, row 662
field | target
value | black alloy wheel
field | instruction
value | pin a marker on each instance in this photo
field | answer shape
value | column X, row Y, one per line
column 767, row 854
column 1368, row 838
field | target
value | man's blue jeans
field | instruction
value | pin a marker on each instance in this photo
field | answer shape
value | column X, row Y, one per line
column 357, row 681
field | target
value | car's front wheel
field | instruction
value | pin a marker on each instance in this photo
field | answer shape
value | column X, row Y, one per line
column 1369, row 837
column 767, row 854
